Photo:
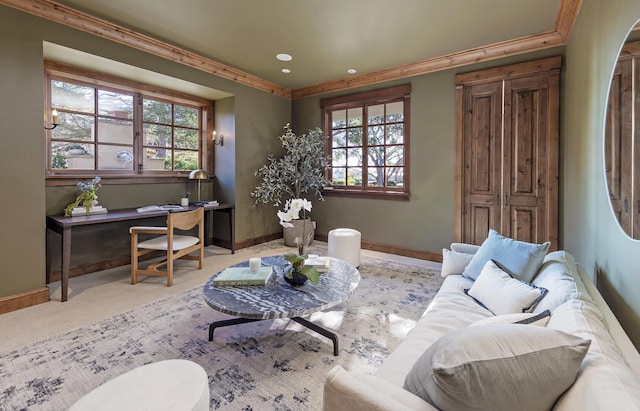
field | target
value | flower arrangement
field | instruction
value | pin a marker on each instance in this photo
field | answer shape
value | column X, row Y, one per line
column 87, row 197
column 291, row 212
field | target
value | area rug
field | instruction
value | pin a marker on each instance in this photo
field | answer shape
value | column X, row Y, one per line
column 267, row 365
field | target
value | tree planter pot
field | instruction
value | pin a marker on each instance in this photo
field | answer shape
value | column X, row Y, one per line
column 290, row 233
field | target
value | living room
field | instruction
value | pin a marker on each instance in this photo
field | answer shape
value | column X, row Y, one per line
column 251, row 119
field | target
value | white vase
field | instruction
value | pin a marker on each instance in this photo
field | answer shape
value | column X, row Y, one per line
column 290, row 233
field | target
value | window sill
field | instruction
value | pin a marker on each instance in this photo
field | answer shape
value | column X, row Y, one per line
column 373, row 194
column 67, row 180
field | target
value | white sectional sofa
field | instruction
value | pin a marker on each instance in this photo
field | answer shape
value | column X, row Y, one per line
column 607, row 376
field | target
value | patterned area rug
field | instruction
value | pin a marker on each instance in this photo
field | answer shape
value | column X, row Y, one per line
column 266, row 365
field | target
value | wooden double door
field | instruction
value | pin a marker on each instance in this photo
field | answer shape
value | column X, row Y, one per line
column 507, row 152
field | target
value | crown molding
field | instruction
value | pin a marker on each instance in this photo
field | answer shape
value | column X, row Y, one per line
column 82, row 21
column 567, row 14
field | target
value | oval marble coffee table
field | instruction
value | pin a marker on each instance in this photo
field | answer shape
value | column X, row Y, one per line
column 278, row 299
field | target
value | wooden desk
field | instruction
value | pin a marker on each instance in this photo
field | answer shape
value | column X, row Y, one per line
column 63, row 226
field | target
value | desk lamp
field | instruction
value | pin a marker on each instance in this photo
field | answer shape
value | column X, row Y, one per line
column 199, row 175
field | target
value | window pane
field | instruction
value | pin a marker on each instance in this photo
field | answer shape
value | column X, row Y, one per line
column 186, row 138
column 186, row 116
column 354, row 116
column 156, row 111
column 115, row 157
column 339, row 119
column 395, row 134
column 376, row 177
column 339, row 138
column 395, row 156
column 339, row 157
column 115, row 131
column 338, row 177
column 185, row 160
column 376, row 135
column 376, row 156
column 157, row 159
column 376, row 114
column 395, row 112
column 354, row 157
column 115, row 104
column 155, row 135
column 355, row 137
column 74, row 127
column 71, row 156
column 395, row 177
column 72, row 97
column 354, row 176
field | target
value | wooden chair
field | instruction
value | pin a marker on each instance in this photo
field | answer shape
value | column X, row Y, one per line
column 176, row 246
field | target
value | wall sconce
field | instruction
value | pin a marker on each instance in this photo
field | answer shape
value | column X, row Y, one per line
column 218, row 142
column 54, row 120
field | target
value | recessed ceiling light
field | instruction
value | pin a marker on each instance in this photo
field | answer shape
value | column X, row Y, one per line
column 286, row 71
column 351, row 71
column 284, row 57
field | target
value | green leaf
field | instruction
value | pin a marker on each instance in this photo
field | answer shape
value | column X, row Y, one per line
column 311, row 273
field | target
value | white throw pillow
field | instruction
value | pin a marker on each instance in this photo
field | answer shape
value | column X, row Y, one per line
column 501, row 294
column 498, row 367
column 454, row 262
column 539, row 319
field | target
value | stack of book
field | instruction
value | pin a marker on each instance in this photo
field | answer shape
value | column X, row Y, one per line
column 241, row 276
column 93, row 210
column 320, row 263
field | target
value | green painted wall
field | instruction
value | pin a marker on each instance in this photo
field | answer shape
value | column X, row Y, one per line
column 589, row 229
column 426, row 221
column 246, row 119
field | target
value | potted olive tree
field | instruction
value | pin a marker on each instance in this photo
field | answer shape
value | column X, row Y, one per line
column 289, row 179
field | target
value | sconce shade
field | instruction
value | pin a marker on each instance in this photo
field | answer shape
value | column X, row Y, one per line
column 198, row 175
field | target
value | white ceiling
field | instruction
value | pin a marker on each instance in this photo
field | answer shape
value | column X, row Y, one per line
column 325, row 37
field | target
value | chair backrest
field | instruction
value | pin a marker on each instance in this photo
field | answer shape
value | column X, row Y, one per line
column 185, row 220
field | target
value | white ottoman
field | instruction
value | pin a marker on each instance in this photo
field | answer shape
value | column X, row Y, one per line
column 344, row 243
column 170, row 385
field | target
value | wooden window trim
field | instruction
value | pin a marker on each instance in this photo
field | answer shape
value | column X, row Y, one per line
column 365, row 99
column 113, row 83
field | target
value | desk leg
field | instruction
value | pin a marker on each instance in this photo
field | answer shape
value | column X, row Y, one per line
column 66, row 260
column 208, row 232
column 232, row 228
column 49, row 255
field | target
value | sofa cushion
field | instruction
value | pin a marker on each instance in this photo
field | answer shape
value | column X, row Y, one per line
column 519, row 258
column 465, row 248
column 454, row 262
column 497, row 367
column 540, row 319
column 605, row 381
column 501, row 294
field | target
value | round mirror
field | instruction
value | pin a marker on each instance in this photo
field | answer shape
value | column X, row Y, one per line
column 622, row 137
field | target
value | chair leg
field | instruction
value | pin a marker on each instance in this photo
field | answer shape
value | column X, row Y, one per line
column 201, row 259
column 169, row 271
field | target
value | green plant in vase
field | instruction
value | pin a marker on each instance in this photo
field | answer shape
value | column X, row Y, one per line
column 300, row 171
column 298, row 273
column 88, row 197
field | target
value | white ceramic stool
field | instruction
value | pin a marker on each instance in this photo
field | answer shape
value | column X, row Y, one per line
column 344, row 243
column 169, row 385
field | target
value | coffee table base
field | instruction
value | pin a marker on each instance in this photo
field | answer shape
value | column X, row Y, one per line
column 314, row 327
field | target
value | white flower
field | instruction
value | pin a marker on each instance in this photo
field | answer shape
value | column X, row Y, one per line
column 292, row 210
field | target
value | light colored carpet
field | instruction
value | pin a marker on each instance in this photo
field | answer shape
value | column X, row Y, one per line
column 269, row 365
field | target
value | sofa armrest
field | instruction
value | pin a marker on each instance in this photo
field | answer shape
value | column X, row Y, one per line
column 362, row 392
column 464, row 248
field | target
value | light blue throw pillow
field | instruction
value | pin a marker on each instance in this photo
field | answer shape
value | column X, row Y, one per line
column 520, row 259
